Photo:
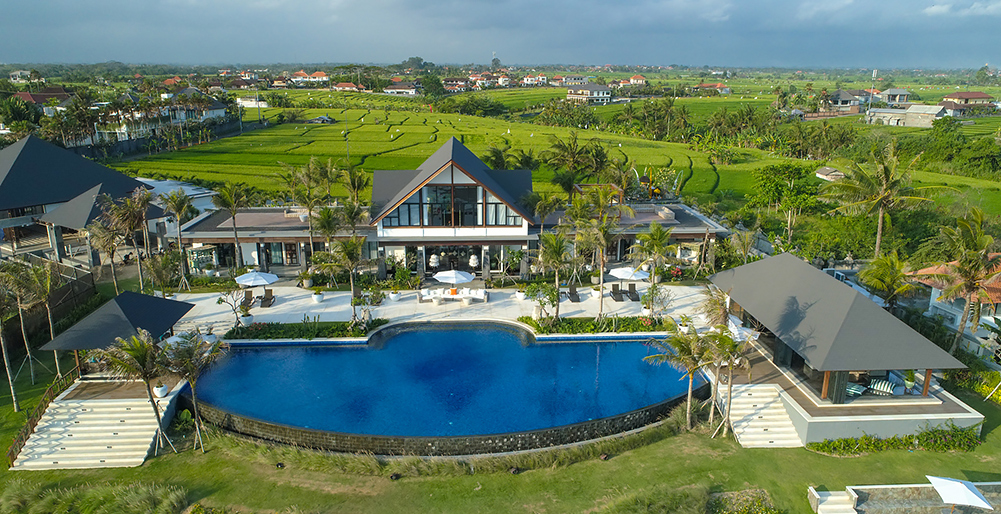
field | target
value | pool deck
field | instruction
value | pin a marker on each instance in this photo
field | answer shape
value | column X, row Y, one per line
column 292, row 303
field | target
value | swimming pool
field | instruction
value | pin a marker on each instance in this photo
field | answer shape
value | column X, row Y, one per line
column 439, row 381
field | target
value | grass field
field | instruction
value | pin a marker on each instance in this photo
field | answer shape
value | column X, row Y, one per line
column 242, row 476
column 404, row 139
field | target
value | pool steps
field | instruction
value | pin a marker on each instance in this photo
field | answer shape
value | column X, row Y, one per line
column 84, row 434
column 759, row 418
column 835, row 502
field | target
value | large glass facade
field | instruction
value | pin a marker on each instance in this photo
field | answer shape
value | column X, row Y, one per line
column 452, row 206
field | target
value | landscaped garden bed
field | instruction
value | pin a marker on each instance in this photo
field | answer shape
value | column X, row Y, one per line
column 305, row 330
column 590, row 326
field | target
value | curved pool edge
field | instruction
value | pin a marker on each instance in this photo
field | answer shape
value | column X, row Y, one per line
column 431, row 446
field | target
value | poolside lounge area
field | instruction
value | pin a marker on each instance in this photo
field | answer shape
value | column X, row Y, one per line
column 292, row 303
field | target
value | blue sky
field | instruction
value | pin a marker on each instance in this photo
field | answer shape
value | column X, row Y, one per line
column 785, row 33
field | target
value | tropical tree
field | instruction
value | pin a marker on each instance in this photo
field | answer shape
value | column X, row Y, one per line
column 139, row 358
column 178, row 203
column 189, row 358
column 126, row 216
column 232, row 197
column 684, row 350
column 14, row 278
column 327, row 222
column 354, row 214
column 876, row 190
column 554, row 254
column 597, row 235
column 162, row 269
column 7, row 305
column 715, row 306
column 974, row 266
column 355, row 180
column 569, row 154
column 888, row 278
column 727, row 350
column 545, row 205
column 348, row 255
column 652, row 247
column 43, row 280
column 565, row 180
column 743, row 242
column 107, row 238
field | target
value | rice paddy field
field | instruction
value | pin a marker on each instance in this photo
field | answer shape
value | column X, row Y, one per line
column 379, row 139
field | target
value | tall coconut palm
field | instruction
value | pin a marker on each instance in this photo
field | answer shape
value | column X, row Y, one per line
column 973, row 267
column 107, row 238
column 568, row 154
column 731, row 352
column 139, row 358
column 715, row 307
column 554, row 254
column 876, row 190
column 356, row 181
column 7, row 306
column 546, row 205
column 178, row 203
column 127, row 216
column 43, row 280
column 327, row 222
column 14, row 279
column 232, row 197
column 653, row 247
column 683, row 350
column 348, row 256
column 597, row 235
column 887, row 277
column 354, row 214
column 188, row 359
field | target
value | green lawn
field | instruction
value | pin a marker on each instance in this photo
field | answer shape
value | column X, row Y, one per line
column 242, row 475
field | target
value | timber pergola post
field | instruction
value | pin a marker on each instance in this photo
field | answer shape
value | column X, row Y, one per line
column 924, row 390
column 827, row 383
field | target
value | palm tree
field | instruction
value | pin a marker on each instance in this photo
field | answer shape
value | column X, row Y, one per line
column 715, row 307
column 232, row 197
column 327, row 223
column 887, row 277
column 974, row 266
column 189, row 358
column 138, row 358
column 565, row 179
column 729, row 351
column 652, row 247
column 161, row 270
column 14, row 278
column 354, row 214
column 43, row 280
column 348, row 256
column 554, row 254
column 743, row 241
column 496, row 158
column 876, row 190
column 546, row 204
column 597, row 235
column 7, row 304
column 683, row 350
column 178, row 203
column 128, row 215
column 568, row 154
column 106, row 238
column 355, row 180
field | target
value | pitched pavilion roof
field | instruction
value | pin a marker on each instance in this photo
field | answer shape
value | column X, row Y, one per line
column 86, row 207
column 122, row 316
column 390, row 188
column 36, row 172
column 831, row 325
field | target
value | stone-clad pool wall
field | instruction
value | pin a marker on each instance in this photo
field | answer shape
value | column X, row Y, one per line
column 452, row 445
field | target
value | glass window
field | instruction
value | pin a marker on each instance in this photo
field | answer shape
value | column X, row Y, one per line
column 466, row 206
column 438, row 206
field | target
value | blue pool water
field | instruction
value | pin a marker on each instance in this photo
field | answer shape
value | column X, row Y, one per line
column 439, row 382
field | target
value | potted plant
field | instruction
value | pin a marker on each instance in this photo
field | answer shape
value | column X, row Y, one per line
column 394, row 294
column 521, row 292
column 208, row 269
column 596, row 292
column 909, row 379
column 305, row 279
column 246, row 318
column 317, row 295
column 596, row 277
column 160, row 390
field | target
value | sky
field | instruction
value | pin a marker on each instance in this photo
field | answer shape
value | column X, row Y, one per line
column 736, row 33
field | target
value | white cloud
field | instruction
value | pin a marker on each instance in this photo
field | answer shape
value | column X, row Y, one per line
column 812, row 9
column 937, row 9
column 974, row 9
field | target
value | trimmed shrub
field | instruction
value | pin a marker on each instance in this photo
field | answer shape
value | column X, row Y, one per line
column 938, row 439
column 305, row 330
column 590, row 326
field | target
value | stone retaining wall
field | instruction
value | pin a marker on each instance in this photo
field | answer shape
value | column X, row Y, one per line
column 456, row 445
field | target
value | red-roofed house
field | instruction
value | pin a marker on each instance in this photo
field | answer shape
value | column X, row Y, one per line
column 557, row 80
column 319, row 76
column 347, row 86
column 952, row 310
column 966, row 103
column 172, row 81
column 720, row 87
column 637, row 80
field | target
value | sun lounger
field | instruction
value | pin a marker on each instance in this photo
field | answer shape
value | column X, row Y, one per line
column 633, row 295
column 853, row 389
column 572, row 294
column 248, row 298
column 616, row 293
column 268, row 298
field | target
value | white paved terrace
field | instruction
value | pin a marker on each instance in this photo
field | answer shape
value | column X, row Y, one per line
column 292, row 303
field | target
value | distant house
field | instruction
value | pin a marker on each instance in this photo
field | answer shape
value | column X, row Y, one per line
column 248, row 75
column 966, row 103
column 843, row 101
column 891, row 117
column 250, row 102
column 279, row 83
column 43, row 97
column 574, row 80
column 318, row 77
column 557, row 80
column 401, row 88
column 895, row 96
column 324, row 120
column 923, row 115
column 637, row 80
column 173, row 81
column 589, row 94
column 829, row 174
column 455, row 84
column 720, row 88
column 182, row 111
column 504, row 81
column 528, row 80
column 20, row 76
column 348, row 86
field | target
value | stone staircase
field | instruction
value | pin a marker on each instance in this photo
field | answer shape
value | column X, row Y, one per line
column 835, row 502
column 759, row 418
column 82, row 434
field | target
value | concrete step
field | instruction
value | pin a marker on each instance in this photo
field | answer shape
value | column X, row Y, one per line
column 63, row 426
column 835, row 502
column 94, row 452
column 79, row 463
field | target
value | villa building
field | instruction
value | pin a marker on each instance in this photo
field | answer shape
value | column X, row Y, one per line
column 977, row 338
column 589, row 94
column 966, row 103
column 895, row 96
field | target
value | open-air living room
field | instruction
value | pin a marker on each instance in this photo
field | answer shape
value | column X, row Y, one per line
column 842, row 365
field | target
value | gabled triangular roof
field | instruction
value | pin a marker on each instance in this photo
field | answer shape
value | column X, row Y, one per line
column 122, row 316
column 36, row 172
column 80, row 211
column 455, row 153
column 828, row 323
